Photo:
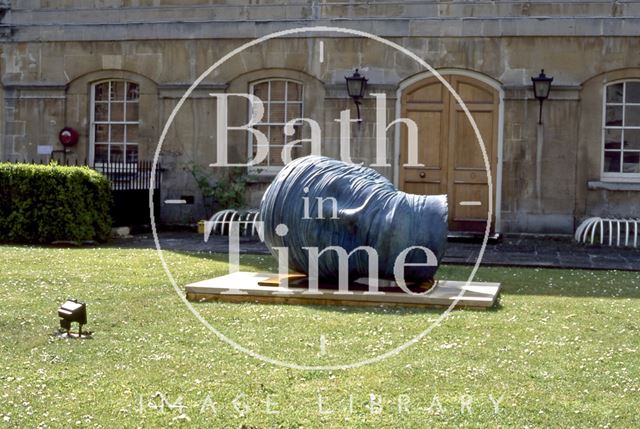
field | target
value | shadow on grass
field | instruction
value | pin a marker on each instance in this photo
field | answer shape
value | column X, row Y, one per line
column 552, row 282
column 264, row 263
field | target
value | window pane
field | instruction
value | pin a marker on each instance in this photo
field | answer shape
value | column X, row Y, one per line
column 613, row 116
column 109, row 108
column 632, row 92
column 632, row 116
column 264, row 129
column 263, row 162
column 133, row 91
column 283, row 101
column 294, row 91
column 132, row 133
column 296, row 134
column 132, row 112
column 117, row 153
column 299, row 151
column 632, row 139
column 277, row 113
column 277, row 135
column 612, row 139
column 305, row 148
column 294, row 111
column 117, row 90
column 132, row 153
column 614, row 93
column 117, row 112
column 277, row 90
column 101, row 153
column 261, row 90
column 631, row 162
column 102, row 91
column 275, row 156
column 117, row 133
column 612, row 162
column 101, row 133
column 102, row 112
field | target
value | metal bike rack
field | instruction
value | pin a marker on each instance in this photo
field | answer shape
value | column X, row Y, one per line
column 221, row 221
column 609, row 231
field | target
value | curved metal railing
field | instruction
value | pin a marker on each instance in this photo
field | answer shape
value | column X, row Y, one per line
column 609, row 231
column 221, row 221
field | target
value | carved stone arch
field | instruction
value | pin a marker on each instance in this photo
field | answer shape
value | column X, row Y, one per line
column 313, row 99
column 454, row 162
column 597, row 196
column 78, row 108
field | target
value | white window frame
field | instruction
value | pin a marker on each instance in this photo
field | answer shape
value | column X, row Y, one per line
column 607, row 176
column 93, row 123
column 262, row 170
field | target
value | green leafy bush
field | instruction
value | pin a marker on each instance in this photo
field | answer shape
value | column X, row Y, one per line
column 45, row 203
column 227, row 193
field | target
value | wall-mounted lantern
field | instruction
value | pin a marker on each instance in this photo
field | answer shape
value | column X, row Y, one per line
column 541, row 88
column 356, row 85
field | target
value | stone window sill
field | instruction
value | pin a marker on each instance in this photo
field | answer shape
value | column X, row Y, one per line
column 613, row 186
column 260, row 179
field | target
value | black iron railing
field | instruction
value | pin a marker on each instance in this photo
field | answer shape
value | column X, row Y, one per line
column 122, row 176
column 130, row 183
column 131, row 176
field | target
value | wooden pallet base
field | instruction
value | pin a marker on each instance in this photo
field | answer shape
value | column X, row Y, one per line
column 245, row 287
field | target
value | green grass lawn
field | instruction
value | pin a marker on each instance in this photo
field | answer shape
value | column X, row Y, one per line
column 560, row 351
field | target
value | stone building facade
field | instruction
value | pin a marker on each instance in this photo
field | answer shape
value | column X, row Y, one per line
column 115, row 70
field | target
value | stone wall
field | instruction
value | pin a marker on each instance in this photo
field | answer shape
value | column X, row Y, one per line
column 53, row 50
column 42, row 11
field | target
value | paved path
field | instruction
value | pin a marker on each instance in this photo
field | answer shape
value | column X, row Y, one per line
column 509, row 251
column 546, row 252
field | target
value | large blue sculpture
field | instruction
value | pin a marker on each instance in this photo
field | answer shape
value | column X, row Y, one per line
column 370, row 211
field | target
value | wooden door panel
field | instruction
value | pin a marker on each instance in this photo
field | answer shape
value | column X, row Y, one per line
column 424, row 181
column 449, row 149
column 466, row 149
column 429, row 92
column 422, row 188
column 430, row 140
column 426, row 105
column 476, row 176
column 471, row 93
column 469, row 190
column 463, row 202
column 423, row 175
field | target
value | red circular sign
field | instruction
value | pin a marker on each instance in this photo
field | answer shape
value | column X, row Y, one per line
column 68, row 136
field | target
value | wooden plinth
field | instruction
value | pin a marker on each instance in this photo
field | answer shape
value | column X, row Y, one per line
column 245, row 287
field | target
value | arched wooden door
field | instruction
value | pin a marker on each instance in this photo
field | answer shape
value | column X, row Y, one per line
column 448, row 148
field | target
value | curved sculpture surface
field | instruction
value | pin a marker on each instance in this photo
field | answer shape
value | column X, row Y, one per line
column 369, row 211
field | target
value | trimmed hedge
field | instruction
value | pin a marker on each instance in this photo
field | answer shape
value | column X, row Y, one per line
column 45, row 203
